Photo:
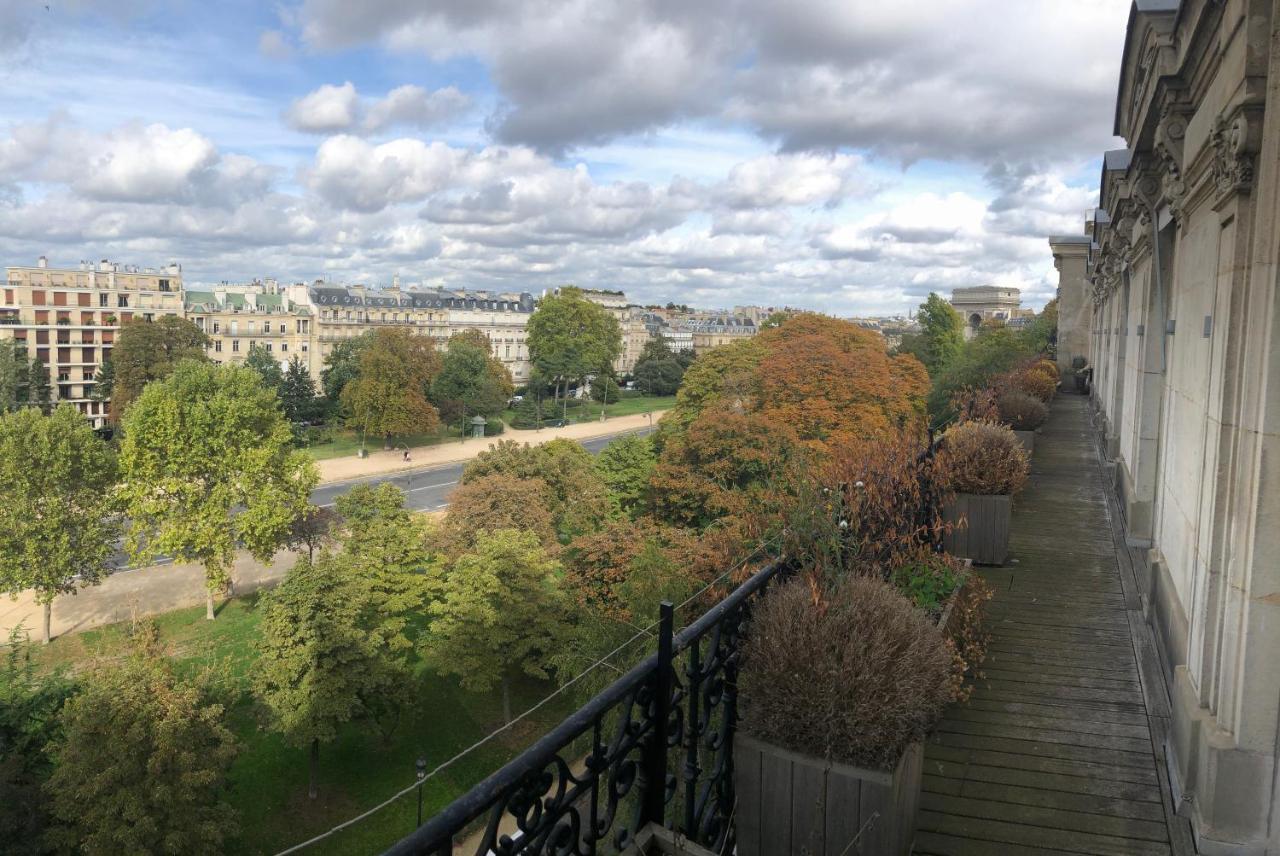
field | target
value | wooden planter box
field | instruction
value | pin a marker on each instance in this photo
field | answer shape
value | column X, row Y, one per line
column 794, row 805
column 654, row 840
column 979, row 527
column 1027, row 439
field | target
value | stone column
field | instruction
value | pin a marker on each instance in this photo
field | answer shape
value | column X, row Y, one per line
column 1071, row 258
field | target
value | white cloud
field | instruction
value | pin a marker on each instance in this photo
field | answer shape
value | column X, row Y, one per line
column 329, row 109
column 340, row 109
column 793, row 179
column 415, row 106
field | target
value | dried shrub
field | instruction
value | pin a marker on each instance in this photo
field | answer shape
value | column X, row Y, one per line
column 1049, row 367
column 975, row 405
column 967, row 636
column 1020, row 411
column 1036, row 383
column 856, row 680
column 984, row 458
column 869, row 510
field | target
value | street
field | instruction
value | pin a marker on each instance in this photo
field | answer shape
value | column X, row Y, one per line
column 427, row 489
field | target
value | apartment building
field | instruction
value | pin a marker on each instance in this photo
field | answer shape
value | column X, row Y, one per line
column 1179, row 274
column 343, row 312
column 712, row 331
column 237, row 317
column 69, row 318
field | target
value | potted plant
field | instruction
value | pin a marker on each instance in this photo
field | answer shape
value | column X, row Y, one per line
column 838, row 688
column 1039, row 380
column 1024, row 414
column 985, row 466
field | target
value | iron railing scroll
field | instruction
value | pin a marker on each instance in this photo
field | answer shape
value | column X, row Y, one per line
column 655, row 746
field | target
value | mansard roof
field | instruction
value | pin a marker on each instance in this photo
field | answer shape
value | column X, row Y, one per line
column 437, row 298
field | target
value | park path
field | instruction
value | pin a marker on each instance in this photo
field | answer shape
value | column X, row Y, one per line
column 380, row 462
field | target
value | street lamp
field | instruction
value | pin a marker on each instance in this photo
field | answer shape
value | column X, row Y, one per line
column 421, row 766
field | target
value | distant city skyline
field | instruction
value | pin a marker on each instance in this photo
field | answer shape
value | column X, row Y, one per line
column 848, row 157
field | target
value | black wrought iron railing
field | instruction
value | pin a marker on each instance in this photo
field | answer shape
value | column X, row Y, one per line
column 655, row 746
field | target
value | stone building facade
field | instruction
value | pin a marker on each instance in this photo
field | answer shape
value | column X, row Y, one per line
column 235, row 318
column 1184, row 336
column 69, row 318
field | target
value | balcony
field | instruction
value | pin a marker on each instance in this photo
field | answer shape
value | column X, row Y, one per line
column 1059, row 748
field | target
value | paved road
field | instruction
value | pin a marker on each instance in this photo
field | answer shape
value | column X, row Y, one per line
column 427, row 489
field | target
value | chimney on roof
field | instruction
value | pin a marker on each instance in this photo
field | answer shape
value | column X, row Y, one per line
column 42, row 262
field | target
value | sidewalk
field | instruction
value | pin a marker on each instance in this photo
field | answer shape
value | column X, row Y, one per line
column 136, row 592
column 380, row 462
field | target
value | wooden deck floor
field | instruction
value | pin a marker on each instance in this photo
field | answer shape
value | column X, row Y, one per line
column 1058, row 750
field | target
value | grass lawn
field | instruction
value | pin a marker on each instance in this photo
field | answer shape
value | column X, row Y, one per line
column 346, row 442
column 590, row 410
column 359, row 769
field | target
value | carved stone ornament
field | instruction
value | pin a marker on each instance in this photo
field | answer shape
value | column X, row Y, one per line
column 1232, row 159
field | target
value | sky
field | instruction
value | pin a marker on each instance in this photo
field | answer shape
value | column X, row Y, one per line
column 848, row 156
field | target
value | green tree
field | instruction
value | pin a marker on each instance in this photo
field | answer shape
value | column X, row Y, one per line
column 30, row 702
column 260, row 360
column 56, row 530
column 389, row 397
column 141, row 765
column 148, row 350
column 571, row 337
column 527, row 413
column 13, row 376
column 471, row 382
column 298, row 392
column 386, row 549
column 658, row 375
column 317, row 665
column 726, row 372
column 941, row 334
column 626, row 465
column 501, row 612
column 207, row 466
column 104, row 381
column 605, row 389
column 579, row 501
column 989, row 353
column 39, row 393
column 342, row 365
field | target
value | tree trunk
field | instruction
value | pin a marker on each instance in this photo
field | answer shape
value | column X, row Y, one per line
column 48, row 619
column 506, row 699
column 315, row 768
column 208, row 604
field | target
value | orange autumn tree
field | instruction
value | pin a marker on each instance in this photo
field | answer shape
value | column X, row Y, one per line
column 835, row 384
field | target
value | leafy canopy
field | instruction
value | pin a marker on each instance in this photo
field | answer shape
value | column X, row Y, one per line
column 389, row 395
column 626, row 465
column 56, row 529
column 501, row 611
column 208, row 466
column 142, row 762
column 572, row 337
column 149, row 350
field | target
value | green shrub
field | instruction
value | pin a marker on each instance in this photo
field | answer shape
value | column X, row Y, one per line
column 494, row 427
column 856, row 681
column 983, row 458
column 605, row 389
column 928, row 581
column 528, row 413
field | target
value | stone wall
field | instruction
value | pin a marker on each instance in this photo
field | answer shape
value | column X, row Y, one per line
column 1185, row 343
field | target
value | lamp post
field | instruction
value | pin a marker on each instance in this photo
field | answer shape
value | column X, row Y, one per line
column 421, row 766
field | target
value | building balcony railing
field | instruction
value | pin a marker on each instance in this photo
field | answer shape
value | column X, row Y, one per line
column 678, row 705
